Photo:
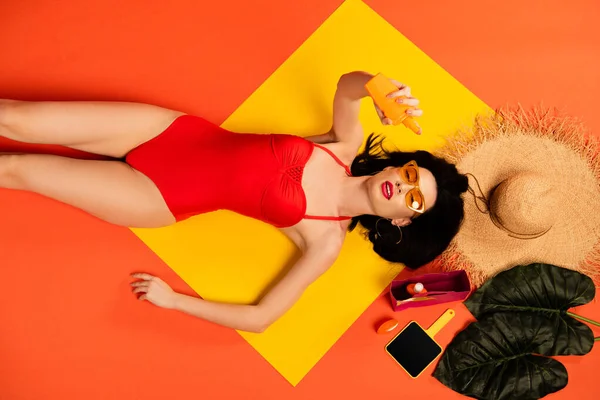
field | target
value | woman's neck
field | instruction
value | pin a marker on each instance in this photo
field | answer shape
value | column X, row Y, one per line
column 354, row 196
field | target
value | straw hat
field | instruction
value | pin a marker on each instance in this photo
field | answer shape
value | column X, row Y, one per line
column 534, row 182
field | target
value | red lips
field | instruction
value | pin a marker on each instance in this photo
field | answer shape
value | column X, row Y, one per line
column 387, row 189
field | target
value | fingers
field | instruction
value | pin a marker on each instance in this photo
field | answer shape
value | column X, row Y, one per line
column 415, row 112
column 409, row 101
column 404, row 99
column 141, row 289
column 143, row 285
column 142, row 275
column 140, row 283
column 398, row 84
column 403, row 91
column 403, row 96
column 382, row 117
column 379, row 112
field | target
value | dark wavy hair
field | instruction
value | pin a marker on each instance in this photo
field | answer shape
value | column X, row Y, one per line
column 428, row 235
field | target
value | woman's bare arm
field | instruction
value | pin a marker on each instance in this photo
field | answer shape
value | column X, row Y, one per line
column 346, row 127
column 251, row 318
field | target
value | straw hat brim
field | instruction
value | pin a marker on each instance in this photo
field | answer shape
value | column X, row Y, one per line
column 540, row 143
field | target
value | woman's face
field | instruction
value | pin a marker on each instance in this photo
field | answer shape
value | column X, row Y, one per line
column 388, row 194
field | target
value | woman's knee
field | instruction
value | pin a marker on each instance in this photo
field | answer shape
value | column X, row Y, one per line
column 7, row 170
column 9, row 113
column 13, row 171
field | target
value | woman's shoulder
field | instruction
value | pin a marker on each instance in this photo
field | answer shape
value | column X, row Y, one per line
column 323, row 236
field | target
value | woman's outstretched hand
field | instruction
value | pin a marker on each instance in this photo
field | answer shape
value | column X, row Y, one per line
column 153, row 289
column 402, row 96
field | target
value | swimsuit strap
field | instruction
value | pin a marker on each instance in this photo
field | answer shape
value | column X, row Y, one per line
column 323, row 218
column 348, row 172
column 337, row 160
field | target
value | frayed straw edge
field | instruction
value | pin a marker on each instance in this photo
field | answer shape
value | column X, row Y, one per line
column 453, row 260
column 538, row 122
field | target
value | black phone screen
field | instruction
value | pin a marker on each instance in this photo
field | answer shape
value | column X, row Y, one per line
column 413, row 349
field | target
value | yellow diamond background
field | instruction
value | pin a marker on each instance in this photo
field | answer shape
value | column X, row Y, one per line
column 226, row 257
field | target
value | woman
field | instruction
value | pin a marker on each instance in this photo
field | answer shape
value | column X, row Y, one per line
column 169, row 166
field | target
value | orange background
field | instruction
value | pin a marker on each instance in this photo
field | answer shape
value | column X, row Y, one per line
column 70, row 328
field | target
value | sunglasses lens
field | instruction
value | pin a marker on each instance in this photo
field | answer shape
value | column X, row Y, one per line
column 414, row 200
column 409, row 174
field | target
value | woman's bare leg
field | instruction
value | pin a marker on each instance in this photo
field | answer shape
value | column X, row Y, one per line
column 106, row 128
column 109, row 190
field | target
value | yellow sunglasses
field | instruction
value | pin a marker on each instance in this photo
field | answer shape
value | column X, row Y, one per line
column 409, row 173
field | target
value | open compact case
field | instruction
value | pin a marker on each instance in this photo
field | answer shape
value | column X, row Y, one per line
column 439, row 288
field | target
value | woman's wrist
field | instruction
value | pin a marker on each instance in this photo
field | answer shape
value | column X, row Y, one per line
column 178, row 301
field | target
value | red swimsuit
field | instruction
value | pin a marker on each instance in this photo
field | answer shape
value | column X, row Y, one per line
column 199, row 167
